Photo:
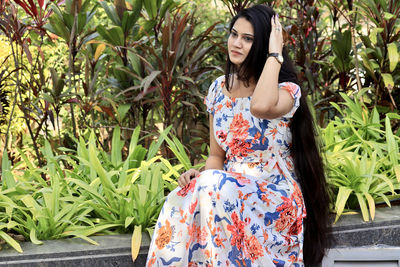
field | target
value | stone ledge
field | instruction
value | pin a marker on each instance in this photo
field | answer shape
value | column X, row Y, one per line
column 352, row 231
column 371, row 256
column 113, row 250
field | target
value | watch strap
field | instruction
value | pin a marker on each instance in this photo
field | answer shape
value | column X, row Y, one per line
column 277, row 56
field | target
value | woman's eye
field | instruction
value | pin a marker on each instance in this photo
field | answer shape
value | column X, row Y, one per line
column 248, row 39
column 233, row 33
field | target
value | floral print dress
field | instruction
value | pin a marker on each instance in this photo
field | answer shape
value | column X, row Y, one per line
column 249, row 214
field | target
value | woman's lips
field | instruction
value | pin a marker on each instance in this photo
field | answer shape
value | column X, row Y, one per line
column 236, row 53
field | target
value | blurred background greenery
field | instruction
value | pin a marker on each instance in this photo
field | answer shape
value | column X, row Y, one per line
column 102, row 105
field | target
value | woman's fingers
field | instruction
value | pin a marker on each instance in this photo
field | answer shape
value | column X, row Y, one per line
column 185, row 177
column 276, row 37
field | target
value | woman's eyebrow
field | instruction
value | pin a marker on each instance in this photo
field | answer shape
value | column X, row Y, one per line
column 247, row 34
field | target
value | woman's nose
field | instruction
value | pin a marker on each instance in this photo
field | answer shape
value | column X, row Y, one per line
column 238, row 42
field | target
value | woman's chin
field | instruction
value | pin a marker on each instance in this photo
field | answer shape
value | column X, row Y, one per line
column 236, row 62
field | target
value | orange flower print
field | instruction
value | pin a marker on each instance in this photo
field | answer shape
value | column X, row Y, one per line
column 239, row 126
column 253, row 164
column 274, row 131
column 193, row 206
column 263, row 186
column 296, row 227
column 240, row 147
column 282, row 124
column 164, row 235
column 152, row 260
column 265, row 235
column 201, row 235
column 219, row 242
column 221, row 135
column 189, row 187
column 287, row 215
column 293, row 258
column 183, row 215
column 298, row 196
column 265, row 198
column 237, row 231
column 254, row 250
column 292, row 88
column 240, row 178
column 207, row 253
column 228, row 104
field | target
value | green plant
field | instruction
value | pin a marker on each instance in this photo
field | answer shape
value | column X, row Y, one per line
column 173, row 72
column 380, row 51
column 41, row 210
column 362, row 157
column 124, row 193
column 87, row 191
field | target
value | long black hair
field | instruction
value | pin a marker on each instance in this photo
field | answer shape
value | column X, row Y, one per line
column 305, row 150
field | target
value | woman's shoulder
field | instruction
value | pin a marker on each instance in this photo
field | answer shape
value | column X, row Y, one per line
column 219, row 82
column 214, row 94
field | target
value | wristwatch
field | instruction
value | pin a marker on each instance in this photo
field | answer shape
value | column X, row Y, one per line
column 278, row 57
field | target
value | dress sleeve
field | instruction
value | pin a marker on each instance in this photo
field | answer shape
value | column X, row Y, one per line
column 209, row 100
column 295, row 92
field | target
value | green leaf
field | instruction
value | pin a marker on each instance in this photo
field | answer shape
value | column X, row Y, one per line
column 363, row 206
column 108, row 186
column 341, row 200
column 393, row 55
column 11, row 241
column 155, row 146
column 128, row 221
column 373, row 34
column 146, row 82
column 113, row 35
column 116, row 147
column 7, row 176
column 388, row 80
column 388, row 16
column 136, row 242
column 33, row 237
column 111, row 13
column 122, row 110
column 87, row 231
column 89, row 240
column 371, row 205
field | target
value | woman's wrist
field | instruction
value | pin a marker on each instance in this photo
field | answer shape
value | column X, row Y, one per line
column 273, row 61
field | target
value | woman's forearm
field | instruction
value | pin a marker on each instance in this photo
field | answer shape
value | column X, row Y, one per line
column 265, row 94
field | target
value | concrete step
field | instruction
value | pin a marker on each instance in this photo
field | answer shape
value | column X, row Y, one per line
column 369, row 256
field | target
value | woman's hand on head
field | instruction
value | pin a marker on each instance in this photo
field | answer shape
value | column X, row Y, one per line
column 185, row 177
column 276, row 37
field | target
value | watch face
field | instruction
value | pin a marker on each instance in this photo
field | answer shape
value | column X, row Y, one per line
column 280, row 58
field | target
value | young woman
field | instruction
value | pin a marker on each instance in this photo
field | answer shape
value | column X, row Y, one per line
column 261, row 200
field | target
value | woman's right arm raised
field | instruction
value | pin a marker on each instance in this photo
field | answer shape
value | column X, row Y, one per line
column 215, row 159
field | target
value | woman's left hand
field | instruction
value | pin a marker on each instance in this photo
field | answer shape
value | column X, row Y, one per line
column 276, row 37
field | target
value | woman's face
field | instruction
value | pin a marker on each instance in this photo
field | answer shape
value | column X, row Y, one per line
column 240, row 41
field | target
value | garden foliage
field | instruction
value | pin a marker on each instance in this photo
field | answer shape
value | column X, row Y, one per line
column 87, row 191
